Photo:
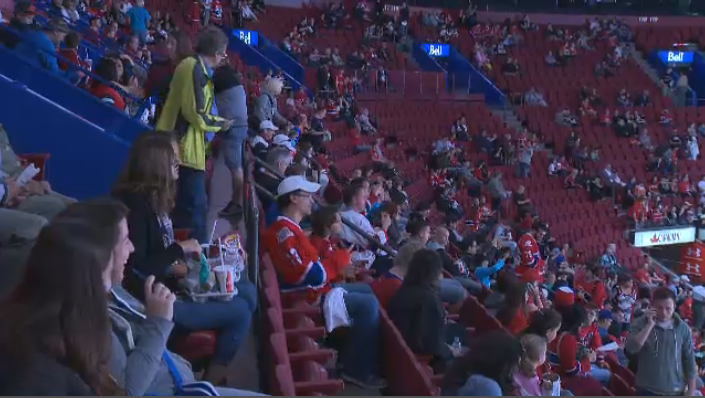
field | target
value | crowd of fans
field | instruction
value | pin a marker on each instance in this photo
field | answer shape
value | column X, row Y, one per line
column 96, row 304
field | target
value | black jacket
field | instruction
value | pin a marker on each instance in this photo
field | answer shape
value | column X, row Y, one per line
column 42, row 376
column 419, row 315
column 150, row 256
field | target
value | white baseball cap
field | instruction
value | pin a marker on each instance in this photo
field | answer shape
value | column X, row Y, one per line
column 283, row 140
column 684, row 278
column 297, row 183
column 267, row 125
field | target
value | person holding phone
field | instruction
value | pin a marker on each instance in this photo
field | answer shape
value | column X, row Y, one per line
column 663, row 345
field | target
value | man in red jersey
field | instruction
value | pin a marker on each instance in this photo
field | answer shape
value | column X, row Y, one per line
column 531, row 260
column 300, row 268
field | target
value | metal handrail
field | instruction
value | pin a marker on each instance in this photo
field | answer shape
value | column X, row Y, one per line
column 372, row 240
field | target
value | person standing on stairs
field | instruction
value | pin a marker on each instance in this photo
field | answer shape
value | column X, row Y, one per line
column 191, row 112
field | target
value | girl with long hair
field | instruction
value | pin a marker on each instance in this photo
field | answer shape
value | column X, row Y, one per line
column 54, row 327
column 148, row 188
column 486, row 369
column 516, row 309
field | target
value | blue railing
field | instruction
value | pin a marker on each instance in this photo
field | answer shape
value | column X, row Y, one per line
column 254, row 57
column 61, row 91
column 85, row 158
column 281, row 58
column 466, row 77
column 691, row 98
column 425, row 62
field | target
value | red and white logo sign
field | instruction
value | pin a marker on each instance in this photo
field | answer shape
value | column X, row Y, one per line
column 673, row 236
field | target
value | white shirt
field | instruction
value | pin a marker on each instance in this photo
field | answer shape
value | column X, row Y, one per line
column 362, row 222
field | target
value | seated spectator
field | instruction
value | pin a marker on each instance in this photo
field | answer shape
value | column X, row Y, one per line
column 644, row 99
column 579, row 371
column 138, row 360
column 279, row 159
column 665, row 117
column 457, row 268
column 147, row 187
column 386, row 285
column 551, row 59
column 487, row 368
column 623, row 98
column 260, row 142
column 55, row 326
column 555, row 169
column 105, row 88
column 21, row 23
column 355, row 198
column 70, row 52
column 366, row 126
column 138, row 52
column 533, row 97
column 39, row 46
column 17, row 233
column 517, row 307
column 93, row 34
column 510, row 67
column 299, row 267
column 565, row 118
column 417, row 310
column 486, row 273
column 526, row 378
column 35, row 197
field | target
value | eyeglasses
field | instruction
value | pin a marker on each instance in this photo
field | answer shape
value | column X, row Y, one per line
column 222, row 54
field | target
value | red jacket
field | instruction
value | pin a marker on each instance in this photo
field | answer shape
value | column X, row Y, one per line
column 108, row 94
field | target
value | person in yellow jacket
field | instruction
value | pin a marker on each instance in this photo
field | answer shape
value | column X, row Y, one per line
column 190, row 112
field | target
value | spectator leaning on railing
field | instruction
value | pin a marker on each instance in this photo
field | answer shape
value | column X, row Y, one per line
column 39, row 46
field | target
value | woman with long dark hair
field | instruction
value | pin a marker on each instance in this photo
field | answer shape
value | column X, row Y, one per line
column 148, row 188
column 417, row 310
column 516, row 309
column 575, row 360
column 54, row 327
column 486, row 369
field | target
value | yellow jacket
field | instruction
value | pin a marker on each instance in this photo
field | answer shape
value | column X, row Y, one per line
column 187, row 111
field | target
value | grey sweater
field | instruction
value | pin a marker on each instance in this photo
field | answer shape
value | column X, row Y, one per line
column 667, row 359
column 232, row 104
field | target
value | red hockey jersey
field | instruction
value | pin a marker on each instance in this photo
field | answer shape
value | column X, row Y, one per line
column 297, row 261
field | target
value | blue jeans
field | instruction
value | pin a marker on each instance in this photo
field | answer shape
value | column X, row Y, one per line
column 191, row 203
column 601, row 375
column 360, row 356
column 524, row 170
column 452, row 291
column 231, row 320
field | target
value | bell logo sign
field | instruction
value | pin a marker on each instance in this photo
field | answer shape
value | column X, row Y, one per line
column 676, row 56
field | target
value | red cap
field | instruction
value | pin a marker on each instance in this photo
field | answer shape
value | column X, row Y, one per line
column 565, row 297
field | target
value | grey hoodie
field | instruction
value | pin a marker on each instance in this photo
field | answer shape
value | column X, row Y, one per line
column 667, row 359
column 138, row 343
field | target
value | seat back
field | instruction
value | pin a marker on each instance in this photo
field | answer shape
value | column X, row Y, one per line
column 401, row 370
